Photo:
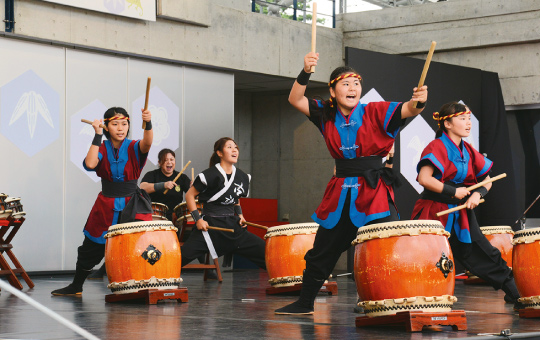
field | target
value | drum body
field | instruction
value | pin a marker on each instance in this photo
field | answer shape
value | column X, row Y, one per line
column 142, row 255
column 182, row 212
column 159, row 211
column 404, row 266
column 286, row 246
column 501, row 238
column 14, row 204
column 526, row 266
column 4, row 211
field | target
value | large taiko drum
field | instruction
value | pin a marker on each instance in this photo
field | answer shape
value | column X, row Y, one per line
column 501, row 238
column 404, row 266
column 182, row 212
column 286, row 246
column 4, row 211
column 526, row 266
column 142, row 255
column 14, row 204
column 159, row 211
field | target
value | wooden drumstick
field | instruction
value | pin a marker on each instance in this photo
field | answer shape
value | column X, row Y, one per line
column 459, row 207
column 314, row 33
column 426, row 67
column 481, row 184
column 177, row 176
column 221, row 229
column 146, row 99
column 256, row 225
column 90, row 122
column 192, row 174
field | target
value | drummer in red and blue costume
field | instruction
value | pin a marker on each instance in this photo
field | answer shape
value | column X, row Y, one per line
column 448, row 165
column 119, row 162
column 358, row 136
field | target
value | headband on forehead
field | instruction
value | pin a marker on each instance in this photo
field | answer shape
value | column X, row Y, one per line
column 343, row 76
column 438, row 118
column 115, row 118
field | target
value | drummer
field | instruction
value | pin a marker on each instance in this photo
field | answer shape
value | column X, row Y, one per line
column 155, row 182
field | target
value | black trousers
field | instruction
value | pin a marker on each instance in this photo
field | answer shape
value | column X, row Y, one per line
column 330, row 243
column 90, row 254
column 241, row 242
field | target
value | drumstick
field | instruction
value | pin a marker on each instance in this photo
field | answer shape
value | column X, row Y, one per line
column 192, row 174
column 90, row 122
column 426, row 66
column 146, row 99
column 459, row 207
column 256, row 225
column 220, row 229
column 313, row 33
column 481, row 184
column 177, row 177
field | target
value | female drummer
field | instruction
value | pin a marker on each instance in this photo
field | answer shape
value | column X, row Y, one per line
column 155, row 182
column 119, row 162
column 448, row 165
column 358, row 136
column 219, row 187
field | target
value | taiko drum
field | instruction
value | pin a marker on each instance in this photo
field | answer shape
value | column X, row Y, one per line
column 526, row 266
column 159, row 211
column 501, row 238
column 182, row 212
column 404, row 266
column 286, row 246
column 142, row 255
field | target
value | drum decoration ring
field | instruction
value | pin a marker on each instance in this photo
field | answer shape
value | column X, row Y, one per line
column 445, row 265
column 151, row 254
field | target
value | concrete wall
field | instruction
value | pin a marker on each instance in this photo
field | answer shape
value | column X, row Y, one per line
column 496, row 35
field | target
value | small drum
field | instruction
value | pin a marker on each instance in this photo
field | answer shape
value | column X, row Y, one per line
column 182, row 212
column 404, row 266
column 4, row 212
column 160, row 211
column 286, row 246
column 526, row 266
column 14, row 204
column 142, row 255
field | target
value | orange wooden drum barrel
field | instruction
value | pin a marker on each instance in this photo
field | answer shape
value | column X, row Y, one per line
column 526, row 266
column 501, row 238
column 286, row 246
column 159, row 211
column 142, row 255
column 404, row 266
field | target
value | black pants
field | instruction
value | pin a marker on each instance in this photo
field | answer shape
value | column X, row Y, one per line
column 330, row 243
column 90, row 254
column 240, row 242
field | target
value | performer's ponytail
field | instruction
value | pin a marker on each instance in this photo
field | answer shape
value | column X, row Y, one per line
column 330, row 105
column 446, row 112
column 218, row 146
column 113, row 111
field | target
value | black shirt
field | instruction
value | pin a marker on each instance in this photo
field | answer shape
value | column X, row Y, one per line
column 173, row 197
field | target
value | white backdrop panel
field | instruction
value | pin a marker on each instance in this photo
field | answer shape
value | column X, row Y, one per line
column 33, row 76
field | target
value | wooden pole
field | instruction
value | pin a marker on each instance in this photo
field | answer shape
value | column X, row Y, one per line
column 90, row 122
column 177, row 176
column 256, row 225
column 426, row 67
column 459, row 207
column 146, row 99
column 314, row 33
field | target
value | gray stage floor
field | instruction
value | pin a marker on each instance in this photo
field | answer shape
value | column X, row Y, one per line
column 236, row 309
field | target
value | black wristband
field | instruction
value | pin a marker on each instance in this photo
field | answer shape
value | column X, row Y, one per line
column 159, row 186
column 238, row 210
column 195, row 215
column 482, row 191
column 448, row 190
column 303, row 78
column 148, row 125
column 390, row 160
column 420, row 105
column 97, row 139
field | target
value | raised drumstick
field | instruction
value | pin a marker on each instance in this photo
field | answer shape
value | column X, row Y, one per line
column 314, row 33
column 177, row 176
column 146, row 99
column 459, row 207
column 90, row 122
column 426, row 67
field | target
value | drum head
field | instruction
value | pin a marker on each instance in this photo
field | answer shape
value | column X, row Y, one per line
column 526, row 236
column 292, row 229
column 137, row 227
column 399, row 228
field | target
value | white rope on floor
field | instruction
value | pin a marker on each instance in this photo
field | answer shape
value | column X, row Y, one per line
column 47, row 311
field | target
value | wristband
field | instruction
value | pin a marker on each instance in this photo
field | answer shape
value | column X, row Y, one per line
column 97, row 140
column 420, row 105
column 159, row 186
column 482, row 191
column 390, row 160
column 448, row 190
column 148, row 125
column 195, row 215
column 303, row 78
column 238, row 210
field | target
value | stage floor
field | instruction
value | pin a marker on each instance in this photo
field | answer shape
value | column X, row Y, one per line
column 236, row 309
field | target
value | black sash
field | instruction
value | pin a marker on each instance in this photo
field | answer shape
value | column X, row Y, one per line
column 371, row 168
column 139, row 203
column 217, row 210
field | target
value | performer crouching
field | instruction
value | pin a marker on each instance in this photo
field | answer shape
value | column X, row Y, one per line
column 119, row 162
column 358, row 136
column 219, row 187
column 448, row 165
